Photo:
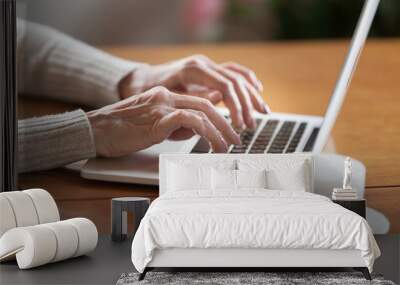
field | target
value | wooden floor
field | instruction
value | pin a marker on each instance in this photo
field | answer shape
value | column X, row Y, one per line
column 298, row 77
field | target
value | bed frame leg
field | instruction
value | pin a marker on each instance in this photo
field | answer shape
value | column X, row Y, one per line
column 364, row 271
column 142, row 275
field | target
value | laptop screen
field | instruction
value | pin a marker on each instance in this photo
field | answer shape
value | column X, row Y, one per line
column 350, row 64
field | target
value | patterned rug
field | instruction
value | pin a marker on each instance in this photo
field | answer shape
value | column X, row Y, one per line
column 243, row 278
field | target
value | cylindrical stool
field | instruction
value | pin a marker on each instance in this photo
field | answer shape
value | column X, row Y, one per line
column 119, row 215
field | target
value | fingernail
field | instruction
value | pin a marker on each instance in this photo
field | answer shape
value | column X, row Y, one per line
column 261, row 108
column 267, row 109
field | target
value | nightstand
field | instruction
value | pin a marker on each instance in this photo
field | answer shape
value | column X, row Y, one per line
column 357, row 206
column 119, row 215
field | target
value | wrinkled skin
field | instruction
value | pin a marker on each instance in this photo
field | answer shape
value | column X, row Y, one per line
column 174, row 101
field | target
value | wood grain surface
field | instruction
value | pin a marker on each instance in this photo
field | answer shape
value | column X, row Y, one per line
column 298, row 77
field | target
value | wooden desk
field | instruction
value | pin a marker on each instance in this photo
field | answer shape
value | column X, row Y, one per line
column 298, row 77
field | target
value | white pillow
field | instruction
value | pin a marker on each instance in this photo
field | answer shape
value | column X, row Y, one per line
column 231, row 180
column 223, row 179
column 293, row 180
column 291, row 173
column 251, row 178
column 182, row 177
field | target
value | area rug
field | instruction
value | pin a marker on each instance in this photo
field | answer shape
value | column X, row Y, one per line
column 243, row 278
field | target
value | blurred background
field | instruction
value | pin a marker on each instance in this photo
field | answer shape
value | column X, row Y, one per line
column 107, row 22
column 306, row 67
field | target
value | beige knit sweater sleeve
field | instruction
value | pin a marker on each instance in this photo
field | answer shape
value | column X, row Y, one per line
column 54, row 65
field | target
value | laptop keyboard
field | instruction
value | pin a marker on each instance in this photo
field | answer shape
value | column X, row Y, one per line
column 282, row 138
column 274, row 137
column 264, row 137
column 246, row 137
column 296, row 138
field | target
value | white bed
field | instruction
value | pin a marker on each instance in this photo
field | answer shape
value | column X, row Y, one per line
column 248, row 227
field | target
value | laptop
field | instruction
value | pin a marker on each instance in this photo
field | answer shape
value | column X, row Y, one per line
column 275, row 132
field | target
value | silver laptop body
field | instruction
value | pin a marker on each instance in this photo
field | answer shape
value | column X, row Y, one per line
column 275, row 133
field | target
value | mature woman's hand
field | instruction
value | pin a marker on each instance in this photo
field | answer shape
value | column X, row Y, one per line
column 149, row 118
column 234, row 84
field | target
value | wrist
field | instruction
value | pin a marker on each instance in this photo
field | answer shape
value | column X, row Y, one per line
column 135, row 82
column 94, row 119
column 124, row 86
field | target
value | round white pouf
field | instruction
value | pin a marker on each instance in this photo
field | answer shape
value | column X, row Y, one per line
column 40, row 244
column 87, row 234
column 46, row 207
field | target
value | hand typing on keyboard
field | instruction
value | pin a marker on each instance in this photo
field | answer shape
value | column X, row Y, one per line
column 237, row 86
column 141, row 121
column 175, row 100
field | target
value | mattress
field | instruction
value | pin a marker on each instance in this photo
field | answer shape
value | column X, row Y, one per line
column 251, row 219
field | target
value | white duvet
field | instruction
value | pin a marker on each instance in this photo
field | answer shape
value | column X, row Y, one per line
column 251, row 219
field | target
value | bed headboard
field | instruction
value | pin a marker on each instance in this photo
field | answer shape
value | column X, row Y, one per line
column 229, row 159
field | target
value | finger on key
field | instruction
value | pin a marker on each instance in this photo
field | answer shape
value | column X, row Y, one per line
column 196, row 121
column 205, row 106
